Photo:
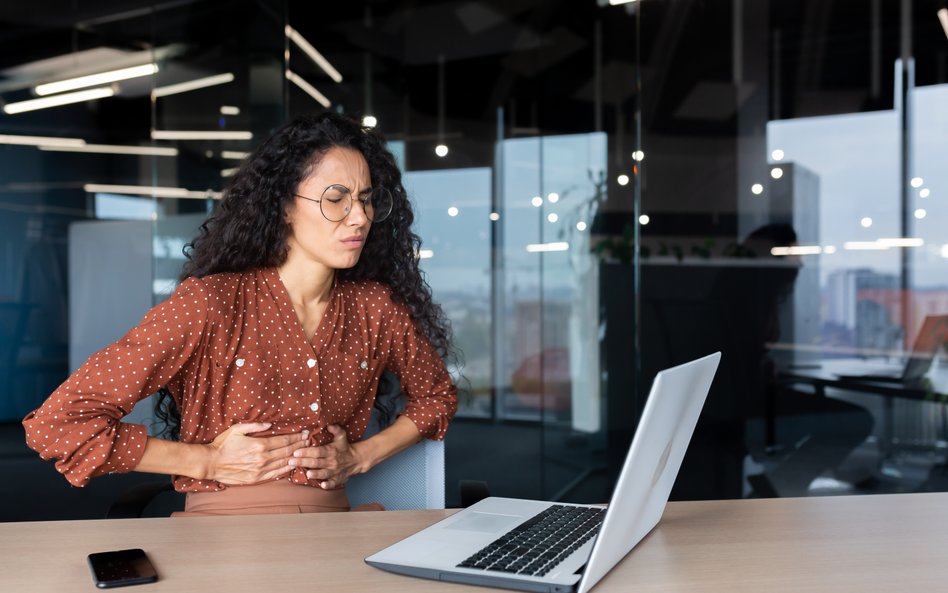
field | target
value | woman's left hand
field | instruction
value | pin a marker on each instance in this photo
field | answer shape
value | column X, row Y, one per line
column 331, row 464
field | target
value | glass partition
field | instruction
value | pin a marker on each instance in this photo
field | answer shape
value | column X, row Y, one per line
column 803, row 243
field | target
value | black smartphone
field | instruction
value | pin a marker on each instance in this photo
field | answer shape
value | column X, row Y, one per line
column 121, row 567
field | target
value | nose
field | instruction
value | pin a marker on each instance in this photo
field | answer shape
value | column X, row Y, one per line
column 357, row 215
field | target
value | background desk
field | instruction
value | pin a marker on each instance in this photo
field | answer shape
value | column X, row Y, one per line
column 854, row 544
column 827, row 376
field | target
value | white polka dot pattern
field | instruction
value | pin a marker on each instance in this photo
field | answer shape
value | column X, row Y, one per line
column 231, row 349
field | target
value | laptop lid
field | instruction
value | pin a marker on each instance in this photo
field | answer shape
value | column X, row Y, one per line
column 636, row 505
column 930, row 337
column 652, row 463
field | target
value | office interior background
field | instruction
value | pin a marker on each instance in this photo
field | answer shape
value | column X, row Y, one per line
column 601, row 191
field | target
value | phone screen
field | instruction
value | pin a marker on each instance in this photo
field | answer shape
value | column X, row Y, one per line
column 121, row 568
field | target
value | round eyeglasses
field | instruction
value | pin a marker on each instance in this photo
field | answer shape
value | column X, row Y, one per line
column 335, row 203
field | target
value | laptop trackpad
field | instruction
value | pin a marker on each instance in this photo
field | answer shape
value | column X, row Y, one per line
column 485, row 522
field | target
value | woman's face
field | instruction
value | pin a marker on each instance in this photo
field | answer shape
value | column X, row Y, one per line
column 336, row 245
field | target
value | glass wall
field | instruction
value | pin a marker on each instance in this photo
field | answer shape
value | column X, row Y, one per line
column 791, row 189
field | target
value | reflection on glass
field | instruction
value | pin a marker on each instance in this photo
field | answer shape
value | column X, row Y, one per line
column 456, row 261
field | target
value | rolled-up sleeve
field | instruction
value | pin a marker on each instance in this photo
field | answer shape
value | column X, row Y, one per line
column 80, row 424
column 431, row 395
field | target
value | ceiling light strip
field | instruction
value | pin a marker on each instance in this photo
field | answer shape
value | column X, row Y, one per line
column 902, row 242
column 57, row 100
column 313, row 54
column 200, row 135
column 234, row 154
column 796, row 250
column 192, row 85
column 79, row 82
column 541, row 247
column 114, row 149
column 40, row 140
column 864, row 246
column 308, row 89
column 151, row 191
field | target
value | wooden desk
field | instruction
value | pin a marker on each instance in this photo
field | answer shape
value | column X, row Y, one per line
column 862, row 544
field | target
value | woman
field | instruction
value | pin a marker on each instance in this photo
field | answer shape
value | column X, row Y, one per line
column 273, row 345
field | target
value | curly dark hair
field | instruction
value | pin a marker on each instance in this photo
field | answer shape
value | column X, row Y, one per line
column 248, row 229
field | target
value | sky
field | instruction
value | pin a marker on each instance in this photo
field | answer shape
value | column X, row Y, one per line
column 856, row 157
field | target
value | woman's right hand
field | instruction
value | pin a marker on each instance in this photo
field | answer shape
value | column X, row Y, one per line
column 237, row 459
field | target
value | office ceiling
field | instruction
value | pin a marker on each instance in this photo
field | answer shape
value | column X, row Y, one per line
column 535, row 58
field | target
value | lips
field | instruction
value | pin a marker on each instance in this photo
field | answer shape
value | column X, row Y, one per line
column 353, row 241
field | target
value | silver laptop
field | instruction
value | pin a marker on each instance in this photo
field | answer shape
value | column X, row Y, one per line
column 541, row 546
column 930, row 338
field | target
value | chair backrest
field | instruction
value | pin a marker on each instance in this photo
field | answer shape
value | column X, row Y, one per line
column 413, row 479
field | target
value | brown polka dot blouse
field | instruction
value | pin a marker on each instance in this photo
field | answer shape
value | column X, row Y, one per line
column 231, row 349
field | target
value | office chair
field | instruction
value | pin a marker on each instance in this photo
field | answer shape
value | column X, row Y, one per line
column 413, row 479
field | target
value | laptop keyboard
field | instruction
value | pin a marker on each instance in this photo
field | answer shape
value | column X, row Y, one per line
column 540, row 543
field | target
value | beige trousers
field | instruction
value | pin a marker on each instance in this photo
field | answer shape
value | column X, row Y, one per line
column 269, row 498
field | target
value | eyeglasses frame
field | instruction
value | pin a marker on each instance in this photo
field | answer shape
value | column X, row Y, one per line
column 352, row 200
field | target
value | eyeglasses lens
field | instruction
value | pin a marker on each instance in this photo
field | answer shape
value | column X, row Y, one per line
column 336, row 203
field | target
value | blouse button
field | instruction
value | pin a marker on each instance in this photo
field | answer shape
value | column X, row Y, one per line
column 239, row 362
column 314, row 406
column 363, row 365
column 311, row 362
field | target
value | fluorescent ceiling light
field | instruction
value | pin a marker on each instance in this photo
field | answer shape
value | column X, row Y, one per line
column 151, row 191
column 200, row 135
column 618, row 2
column 191, row 85
column 864, row 245
column 71, row 84
column 57, row 100
column 308, row 88
column 902, row 242
column 230, row 110
column 40, row 140
column 228, row 172
column 425, row 254
column 314, row 55
column 943, row 17
column 234, row 154
column 797, row 250
column 114, row 149
column 83, row 62
column 555, row 246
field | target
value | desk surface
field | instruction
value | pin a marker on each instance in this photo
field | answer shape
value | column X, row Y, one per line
column 875, row 543
column 827, row 374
